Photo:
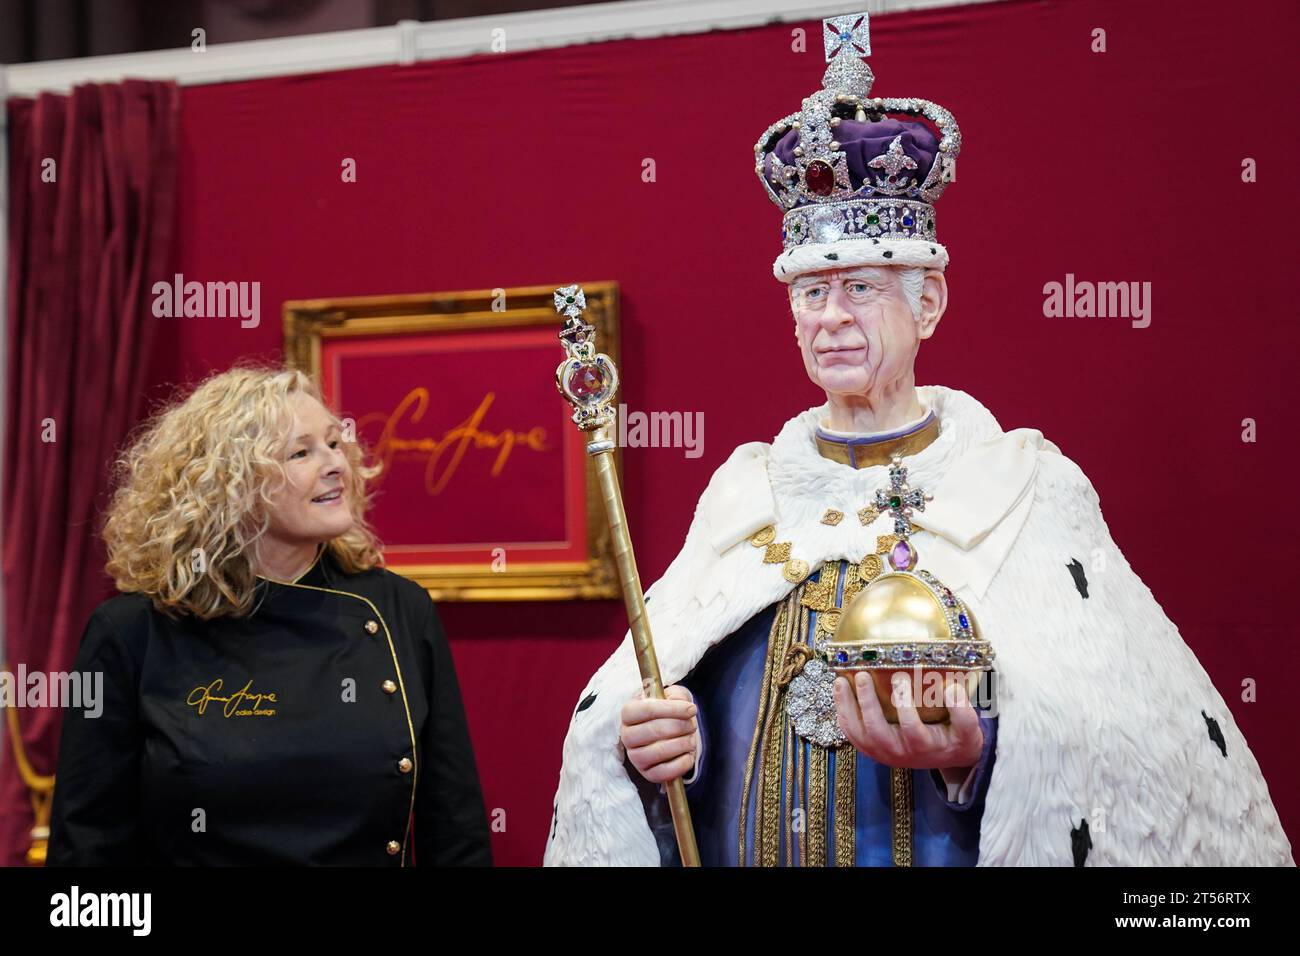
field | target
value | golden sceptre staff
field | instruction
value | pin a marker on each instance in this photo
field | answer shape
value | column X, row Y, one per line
column 588, row 380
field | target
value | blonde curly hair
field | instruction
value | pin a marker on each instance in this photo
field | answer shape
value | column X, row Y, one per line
column 198, row 476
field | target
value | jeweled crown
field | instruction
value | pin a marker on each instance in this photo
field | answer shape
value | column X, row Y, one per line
column 846, row 171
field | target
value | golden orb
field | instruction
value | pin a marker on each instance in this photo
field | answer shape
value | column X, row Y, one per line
column 905, row 622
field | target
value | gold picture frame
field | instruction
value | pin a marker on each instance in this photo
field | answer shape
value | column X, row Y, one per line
column 311, row 324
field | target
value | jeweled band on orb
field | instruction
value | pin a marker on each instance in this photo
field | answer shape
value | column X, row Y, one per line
column 883, row 655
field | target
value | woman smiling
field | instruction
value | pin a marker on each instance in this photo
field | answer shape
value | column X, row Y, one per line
column 273, row 695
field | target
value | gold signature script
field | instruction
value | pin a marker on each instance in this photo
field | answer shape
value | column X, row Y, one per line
column 200, row 697
column 449, row 450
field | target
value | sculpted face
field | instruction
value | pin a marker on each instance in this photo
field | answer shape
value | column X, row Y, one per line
column 316, row 466
column 857, row 331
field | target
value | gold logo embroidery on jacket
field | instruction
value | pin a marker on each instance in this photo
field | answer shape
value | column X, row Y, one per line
column 242, row 703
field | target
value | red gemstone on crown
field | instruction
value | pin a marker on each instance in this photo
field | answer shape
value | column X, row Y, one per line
column 820, row 178
column 585, row 381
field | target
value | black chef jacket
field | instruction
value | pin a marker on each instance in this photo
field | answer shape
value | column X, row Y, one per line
column 325, row 728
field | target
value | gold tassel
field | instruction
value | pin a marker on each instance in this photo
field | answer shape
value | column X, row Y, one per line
column 791, row 742
column 900, row 786
column 800, row 776
column 846, row 786
column 766, row 742
column 774, row 752
column 817, row 759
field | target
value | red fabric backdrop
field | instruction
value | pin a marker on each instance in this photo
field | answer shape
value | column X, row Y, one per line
column 525, row 168
column 82, row 248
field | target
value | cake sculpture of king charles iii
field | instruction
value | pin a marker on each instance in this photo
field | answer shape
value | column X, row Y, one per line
column 899, row 634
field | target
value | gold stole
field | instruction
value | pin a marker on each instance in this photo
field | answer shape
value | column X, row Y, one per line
column 792, row 774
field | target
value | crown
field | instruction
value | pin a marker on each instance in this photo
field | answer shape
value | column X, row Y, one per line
column 858, row 185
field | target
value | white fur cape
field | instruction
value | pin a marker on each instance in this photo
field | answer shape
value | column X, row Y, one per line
column 1099, row 700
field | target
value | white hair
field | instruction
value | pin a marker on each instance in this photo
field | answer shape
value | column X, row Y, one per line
column 911, row 278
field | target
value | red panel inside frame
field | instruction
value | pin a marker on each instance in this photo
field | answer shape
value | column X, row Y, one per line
column 478, row 448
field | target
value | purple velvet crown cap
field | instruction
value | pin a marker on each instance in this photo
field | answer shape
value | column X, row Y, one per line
column 861, row 143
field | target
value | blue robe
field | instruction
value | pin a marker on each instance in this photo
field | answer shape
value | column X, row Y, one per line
column 727, row 685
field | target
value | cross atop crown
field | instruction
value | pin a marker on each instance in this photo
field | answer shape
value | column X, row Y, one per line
column 846, row 41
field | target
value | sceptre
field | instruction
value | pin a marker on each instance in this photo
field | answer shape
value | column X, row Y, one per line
column 588, row 380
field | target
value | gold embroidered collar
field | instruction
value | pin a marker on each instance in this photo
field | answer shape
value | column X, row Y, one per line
column 865, row 452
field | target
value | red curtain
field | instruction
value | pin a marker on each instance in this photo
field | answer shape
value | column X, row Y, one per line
column 92, row 192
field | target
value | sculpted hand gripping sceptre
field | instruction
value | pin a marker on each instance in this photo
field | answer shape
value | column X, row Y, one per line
column 588, row 380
